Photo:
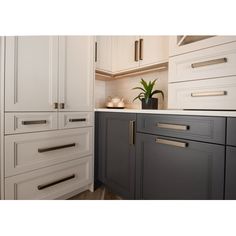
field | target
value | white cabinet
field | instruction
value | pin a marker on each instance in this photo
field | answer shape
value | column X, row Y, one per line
column 31, row 73
column 125, row 53
column 154, row 49
column 76, row 73
column 187, row 43
column 117, row 54
column 104, row 53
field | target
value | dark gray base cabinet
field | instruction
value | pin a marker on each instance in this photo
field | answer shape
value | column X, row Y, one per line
column 194, row 170
column 115, row 152
column 230, row 178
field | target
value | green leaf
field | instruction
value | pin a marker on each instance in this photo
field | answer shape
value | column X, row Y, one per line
column 139, row 88
column 157, row 91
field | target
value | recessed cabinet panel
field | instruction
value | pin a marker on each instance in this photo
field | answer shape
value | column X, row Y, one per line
column 179, row 169
column 231, row 131
column 31, row 73
column 27, row 152
column 51, row 182
column 76, row 73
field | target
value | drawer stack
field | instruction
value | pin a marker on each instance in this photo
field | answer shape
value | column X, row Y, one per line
column 204, row 79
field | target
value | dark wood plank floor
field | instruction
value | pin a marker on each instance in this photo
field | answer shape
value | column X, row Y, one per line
column 100, row 193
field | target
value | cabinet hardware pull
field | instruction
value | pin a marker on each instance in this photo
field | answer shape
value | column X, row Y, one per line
column 77, row 120
column 136, row 50
column 209, row 94
column 62, row 105
column 208, row 63
column 96, row 51
column 140, row 49
column 172, row 126
column 55, row 105
column 33, row 122
column 171, row 143
column 131, row 132
column 40, row 150
column 43, row 186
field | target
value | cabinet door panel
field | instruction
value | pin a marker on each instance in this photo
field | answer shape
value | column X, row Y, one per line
column 154, row 50
column 170, row 172
column 76, row 72
column 230, row 181
column 116, row 155
column 124, row 51
column 31, row 73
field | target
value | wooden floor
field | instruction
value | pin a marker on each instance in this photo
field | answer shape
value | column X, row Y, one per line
column 100, row 193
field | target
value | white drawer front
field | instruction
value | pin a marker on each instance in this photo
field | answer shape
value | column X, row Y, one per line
column 50, row 182
column 75, row 119
column 217, row 94
column 26, row 152
column 208, row 63
column 30, row 122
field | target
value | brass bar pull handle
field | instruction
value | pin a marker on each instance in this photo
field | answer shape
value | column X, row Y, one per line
column 41, row 150
column 131, row 132
column 77, row 120
column 209, row 63
column 33, row 122
column 136, row 50
column 172, row 126
column 209, row 94
column 140, row 49
column 62, row 105
column 55, row 105
column 96, row 51
column 50, row 184
column 171, row 143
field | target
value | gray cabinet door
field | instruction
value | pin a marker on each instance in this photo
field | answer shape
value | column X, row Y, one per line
column 230, row 178
column 178, row 168
column 116, row 152
column 231, row 131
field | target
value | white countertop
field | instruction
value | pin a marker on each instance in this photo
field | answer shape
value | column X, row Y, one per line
column 172, row 112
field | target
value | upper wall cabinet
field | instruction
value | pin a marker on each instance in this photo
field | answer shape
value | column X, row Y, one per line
column 187, row 43
column 76, row 73
column 31, row 73
column 116, row 54
column 49, row 73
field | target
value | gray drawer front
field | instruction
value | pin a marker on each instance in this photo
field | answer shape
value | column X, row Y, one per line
column 206, row 129
column 231, row 131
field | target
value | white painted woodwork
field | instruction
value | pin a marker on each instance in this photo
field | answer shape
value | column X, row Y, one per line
column 25, row 186
column 76, row 72
column 14, row 122
column 70, row 119
column 124, row 49
column 104, row 53
column 22, row 155
column 179, row 96
column 155, row 50
column 180, row 68
column 175, row 49
column 31, row 73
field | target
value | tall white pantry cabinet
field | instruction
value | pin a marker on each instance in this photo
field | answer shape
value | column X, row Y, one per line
column 48, row 114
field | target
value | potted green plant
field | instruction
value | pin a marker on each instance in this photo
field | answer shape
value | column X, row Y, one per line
column 146, row 94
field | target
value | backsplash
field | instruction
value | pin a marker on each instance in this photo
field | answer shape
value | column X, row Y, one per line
column 123, row 88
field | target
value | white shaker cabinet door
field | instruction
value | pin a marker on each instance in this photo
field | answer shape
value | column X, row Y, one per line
column 76, row 73
column 31, row 73
column 153, row 50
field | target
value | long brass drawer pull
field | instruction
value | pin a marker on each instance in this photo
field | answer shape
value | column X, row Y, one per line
column 77, row 120
column 172, row 126
column 171, row 143
column 33, row 122
column 40, row 150
column 136, row 50
column 209, row 94
column 140, row 49
column 131, row 132
column 209, row 63
column 47, row 185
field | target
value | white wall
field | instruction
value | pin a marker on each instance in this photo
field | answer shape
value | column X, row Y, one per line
column 123, row 88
